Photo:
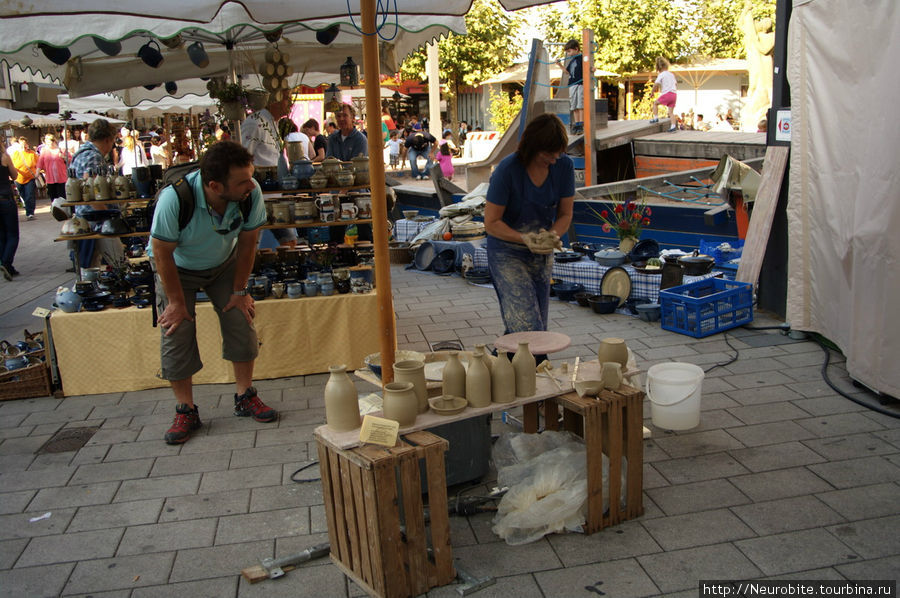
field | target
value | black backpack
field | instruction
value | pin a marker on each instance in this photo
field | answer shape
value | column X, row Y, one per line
column 175, row 176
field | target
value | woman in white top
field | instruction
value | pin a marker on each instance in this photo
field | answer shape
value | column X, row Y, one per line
column 132, row 153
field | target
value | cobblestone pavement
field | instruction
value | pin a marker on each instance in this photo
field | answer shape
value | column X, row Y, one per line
column 782, row 479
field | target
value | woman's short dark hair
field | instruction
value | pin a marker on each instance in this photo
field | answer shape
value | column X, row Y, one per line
column 216, row 163
column 545, row 133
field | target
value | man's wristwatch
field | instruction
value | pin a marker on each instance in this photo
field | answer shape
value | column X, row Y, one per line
column 242, row 292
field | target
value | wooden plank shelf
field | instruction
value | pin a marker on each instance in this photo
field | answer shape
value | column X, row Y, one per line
column 288, row 193
column 70, row 204
column 317, row 223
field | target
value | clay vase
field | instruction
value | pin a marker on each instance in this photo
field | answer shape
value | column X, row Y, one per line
column 400, row 403
column 613, row 349
column 341, row 401
column 478, row 382
column 526, row 375
column 454, row 376
column 503, row 379
column 611, row 375
column 410, row 370
column 626, row 244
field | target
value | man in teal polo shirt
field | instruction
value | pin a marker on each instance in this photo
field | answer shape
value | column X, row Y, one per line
column 213, row 252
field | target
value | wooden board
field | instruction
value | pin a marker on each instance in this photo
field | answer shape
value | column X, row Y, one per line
column 763, row 214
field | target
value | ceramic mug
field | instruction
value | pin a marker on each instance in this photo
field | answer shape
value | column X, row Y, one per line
column 364, row 205
column 325, row 200
column 326, row 213
column 294, row 290
column 349, row 211
column 278, row 290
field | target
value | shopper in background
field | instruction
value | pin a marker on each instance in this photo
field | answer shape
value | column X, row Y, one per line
column 25, row 160
column 215, row 252
column 311, row 129
column 347, row 142
column 53, row 164
column 132, row 153
column 9, row 215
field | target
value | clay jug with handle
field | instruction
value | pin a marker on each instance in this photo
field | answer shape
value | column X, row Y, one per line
column 341, row 401
column 503, row 379
column 454, row 376
column 478, row 382
column 410, row 370
column 524, row 364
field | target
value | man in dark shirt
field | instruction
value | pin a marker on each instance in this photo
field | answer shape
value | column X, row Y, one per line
column 347, row 142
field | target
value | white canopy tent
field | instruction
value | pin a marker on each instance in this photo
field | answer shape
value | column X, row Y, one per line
column 106, row 104
column 843, row 209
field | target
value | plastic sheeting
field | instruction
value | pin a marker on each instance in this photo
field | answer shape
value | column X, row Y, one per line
column 843, row 213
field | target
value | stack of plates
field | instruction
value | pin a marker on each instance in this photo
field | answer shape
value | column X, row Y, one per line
column 479, row 276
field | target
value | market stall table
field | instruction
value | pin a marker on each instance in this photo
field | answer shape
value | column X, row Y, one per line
column 405, row 230
column 117, row 350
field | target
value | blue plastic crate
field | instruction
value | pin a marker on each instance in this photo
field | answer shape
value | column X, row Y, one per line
column 706, row 307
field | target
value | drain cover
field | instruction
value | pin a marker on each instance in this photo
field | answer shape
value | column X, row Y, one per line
column 70, row 439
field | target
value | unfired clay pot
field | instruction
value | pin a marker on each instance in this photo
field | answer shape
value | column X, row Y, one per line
column 454, row 377
column 613, row 349
column 400, row 403
column 526, row 375
column 413, row 371
column 341, row 401
column 503, row 379
column 478, row 382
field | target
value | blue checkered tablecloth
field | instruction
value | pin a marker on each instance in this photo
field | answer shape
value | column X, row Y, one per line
column 406, row 230
column 590, row 273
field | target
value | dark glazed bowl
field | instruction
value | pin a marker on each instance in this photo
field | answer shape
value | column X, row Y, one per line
column 603, row 304
column 582, row 298
column 566, row 290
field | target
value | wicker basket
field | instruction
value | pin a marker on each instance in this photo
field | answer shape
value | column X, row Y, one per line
column 31, row 381
column 400, row 253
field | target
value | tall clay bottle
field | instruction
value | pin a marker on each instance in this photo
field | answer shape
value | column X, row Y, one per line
column 503, row 379
column 526, row 375
column 341, row 401
column 486, row 356
column 410, row 370
column 454, row 376
column 478, row 382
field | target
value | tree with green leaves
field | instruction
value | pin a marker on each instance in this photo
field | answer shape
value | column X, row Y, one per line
column 489, row 47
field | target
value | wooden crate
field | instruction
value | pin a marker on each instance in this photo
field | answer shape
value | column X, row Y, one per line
column 376, row 522
column 611, row 424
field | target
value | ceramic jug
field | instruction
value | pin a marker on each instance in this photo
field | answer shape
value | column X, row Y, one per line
column 73, row 188
column 341, row 401
column 87, row 188
column 503, row 379
column 611, row 375
column 400, row 403
column 524, row 364
column 413, row 371
column 454, row 376
column 318, row 180
column 478, row 381
column 613, row 349
column 364, row 205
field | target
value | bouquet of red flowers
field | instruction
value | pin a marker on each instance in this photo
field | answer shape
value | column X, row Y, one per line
column 626, row 218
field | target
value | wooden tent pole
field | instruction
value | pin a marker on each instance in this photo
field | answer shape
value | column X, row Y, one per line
column 377, row 185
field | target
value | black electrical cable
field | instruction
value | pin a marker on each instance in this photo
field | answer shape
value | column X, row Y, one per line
column 724, row 363
column 304, row 481
column 882, row 410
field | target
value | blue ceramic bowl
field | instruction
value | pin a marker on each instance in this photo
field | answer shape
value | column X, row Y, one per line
column 566, row 290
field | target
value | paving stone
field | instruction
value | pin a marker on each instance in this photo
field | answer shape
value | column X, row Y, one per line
column 769, row 412
column 176, row 485
column 622, row 541
column 10, row 551
column 796, row 551
column 254, row 457
column 118, row 470
column 256, row 526
column 699, row 443
column 787, row 514
column 695, row 469
column 850, row 447
column 781, row 483
column 215, row 443
column 886, row 568
column 271, row 498
column 160, row 537
column 697, row 529
column 128, row 450
column 521, row 586
column 27, row 445
column 698, row 496
column 74, row 496
column 120, row 572
column 15, row 502
column 482, row 560
column 619, row 578
column 652, row 478
column 841, row 424
column 70, row 411
column 871, row 538
column 123, row 514
column 78, row 546
column 891, row 436
column 682, row 569
column 718, row 419
column 182, row 508
column 768, row 394
column 183, row 464
column 249, row 477
column 46, row 580
column 90, row 455
column 863, row 502
column 218, row 561
column 716, row 401
column 770, row 433
column 19, row 525
column 857, row 472
column 208, row 588
column 776, row 456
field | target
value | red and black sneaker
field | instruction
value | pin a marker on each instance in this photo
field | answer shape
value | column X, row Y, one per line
column 186, row 421
column 250, row 405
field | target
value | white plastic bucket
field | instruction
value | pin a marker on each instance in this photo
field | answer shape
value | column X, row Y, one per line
column 674, row 391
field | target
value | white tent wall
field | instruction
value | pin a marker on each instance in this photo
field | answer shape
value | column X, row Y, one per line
column 843, row 209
